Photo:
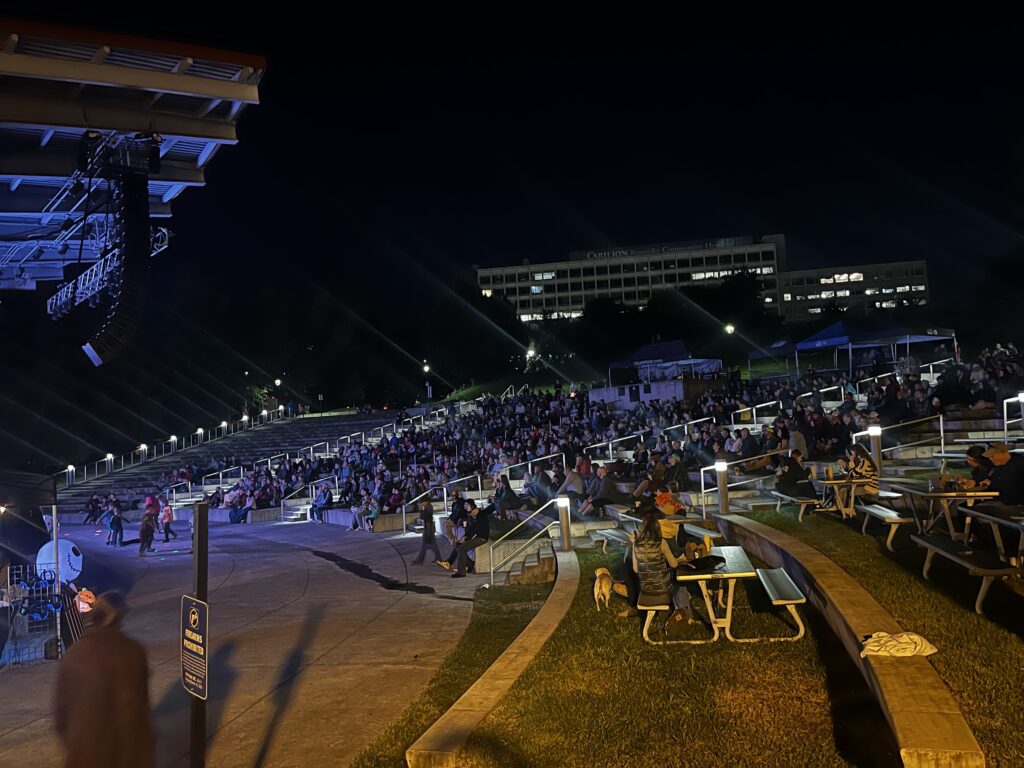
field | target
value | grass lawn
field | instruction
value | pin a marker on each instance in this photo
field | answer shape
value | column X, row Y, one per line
column 980, row 658
column 499, row 615
column 597, row 695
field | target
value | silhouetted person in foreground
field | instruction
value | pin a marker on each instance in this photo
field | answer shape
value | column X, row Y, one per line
column 102, row 704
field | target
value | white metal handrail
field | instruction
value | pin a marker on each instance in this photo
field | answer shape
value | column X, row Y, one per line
column 543, row 531
column 529, row 465
column 703, row 488
column 145, row 452
column 427, row 492
column 942, row 433
column 220, row 475
column 1006, row 414
column 270, row 459
column 513, row 529
column 819, row 392
column 311, row 484
column 609, row 443
column 873, row 379
column 479, row 480
column 172, row 490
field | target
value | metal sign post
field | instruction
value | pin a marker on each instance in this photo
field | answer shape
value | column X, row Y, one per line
column 56, row 576
column 197, row 611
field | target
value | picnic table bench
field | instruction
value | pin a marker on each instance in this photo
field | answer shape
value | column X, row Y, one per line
column 890, row 517
column 976, row 562
column 802, row 503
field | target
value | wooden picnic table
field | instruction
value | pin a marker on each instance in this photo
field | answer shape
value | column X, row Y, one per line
column 944, row 501
column 1010, row 516
column 846, row 494
column 736, row 566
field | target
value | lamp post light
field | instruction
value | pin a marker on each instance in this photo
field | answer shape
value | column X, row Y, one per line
column 223, row 429
column 110, row 463
column 875, row 436
column 199, row 432
column 144, row 450
column 245, row 420
column 174, row 443
column 277, row 382
column 722, row 474
column 730, row 328
column 564, row 523
column 69, row 479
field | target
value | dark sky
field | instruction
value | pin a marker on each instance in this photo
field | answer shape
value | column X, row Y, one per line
column 389, row 155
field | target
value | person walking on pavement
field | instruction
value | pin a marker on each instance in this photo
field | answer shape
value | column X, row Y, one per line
column 147, row 530
column 101, row 707
column 429, row 540
column 166, row 518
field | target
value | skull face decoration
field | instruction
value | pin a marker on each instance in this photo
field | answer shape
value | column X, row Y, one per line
column 70, row 558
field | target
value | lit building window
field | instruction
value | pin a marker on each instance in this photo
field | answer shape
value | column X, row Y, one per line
column 827, row 280
column 870, row 291
column 888, row 290
column 543, row 275
column 768, row 299
column 843, row 278
column 813, row 296
column 536, row 289
column 856, row 277
column 767, row 270
column 815, row 310
column 828, row 294
column 787, row 297
column 843, row 293
column 903, row 289
column 487, row 293
column 920, row 288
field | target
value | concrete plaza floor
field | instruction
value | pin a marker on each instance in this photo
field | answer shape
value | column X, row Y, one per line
column 321, row 637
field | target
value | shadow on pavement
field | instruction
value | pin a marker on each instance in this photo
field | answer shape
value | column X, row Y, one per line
column 171, row 713
column 290, row 673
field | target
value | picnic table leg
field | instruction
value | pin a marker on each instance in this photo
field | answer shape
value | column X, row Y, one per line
column 864, row 528
column 892, row 535
column 986, row 582
column 928, row 562
column 778, row 504
column 948, row 514
column 999, row 540
column 711, row 611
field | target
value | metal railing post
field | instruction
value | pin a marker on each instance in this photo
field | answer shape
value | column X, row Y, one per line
column 564, row 524
column 942, row 433
column 722, row 471
column 875, row 436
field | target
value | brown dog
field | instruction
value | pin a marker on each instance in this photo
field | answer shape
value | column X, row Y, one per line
column 602, row 587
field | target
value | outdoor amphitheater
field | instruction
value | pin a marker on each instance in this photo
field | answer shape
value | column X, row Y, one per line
column 673, row 538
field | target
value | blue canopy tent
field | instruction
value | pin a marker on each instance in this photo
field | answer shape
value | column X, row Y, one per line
column 842, row 334
column 667, row 359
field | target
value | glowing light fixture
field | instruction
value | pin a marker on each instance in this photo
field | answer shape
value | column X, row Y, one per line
column 721, row 466
column 874, row 430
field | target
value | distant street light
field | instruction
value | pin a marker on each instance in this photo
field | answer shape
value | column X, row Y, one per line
column 531, row 352
column 277, row 382
column 426, row 368
column 730, row 328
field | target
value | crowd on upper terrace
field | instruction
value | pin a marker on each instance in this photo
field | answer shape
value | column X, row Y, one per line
column 381, row 476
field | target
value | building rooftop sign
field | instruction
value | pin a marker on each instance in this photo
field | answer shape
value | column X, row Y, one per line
column 662, row 248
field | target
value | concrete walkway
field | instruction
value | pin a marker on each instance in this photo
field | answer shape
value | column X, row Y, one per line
column 321, row 637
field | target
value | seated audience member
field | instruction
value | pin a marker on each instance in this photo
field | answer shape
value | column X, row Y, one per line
column 793, row 478
column 651, row 566
column 1007, row 474
column 607, row 493
column 477, row 534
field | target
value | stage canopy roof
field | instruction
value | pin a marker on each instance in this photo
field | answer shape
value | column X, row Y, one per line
column 56, row 83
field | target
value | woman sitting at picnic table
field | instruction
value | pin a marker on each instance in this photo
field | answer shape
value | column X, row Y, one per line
column 653, row 565
column 862, row 468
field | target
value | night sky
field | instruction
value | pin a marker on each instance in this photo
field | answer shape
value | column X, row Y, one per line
column 383, row 162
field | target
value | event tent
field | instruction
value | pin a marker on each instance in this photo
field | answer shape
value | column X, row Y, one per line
column 666, row 360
